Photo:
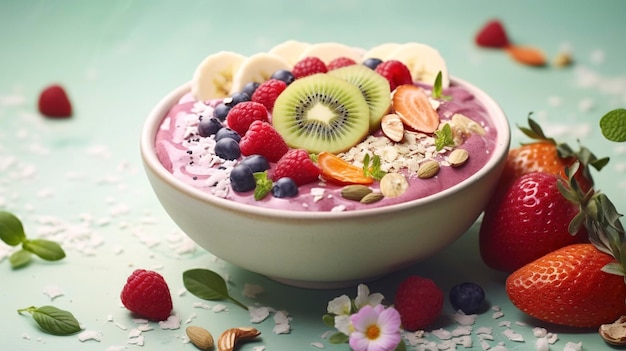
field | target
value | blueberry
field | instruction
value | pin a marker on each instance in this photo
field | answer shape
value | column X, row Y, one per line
column 284, row 75
column 242, row 179
column 250, row 88
column 209, row 126
column 227, row 149
column 236, row 98
column 257, row 163
column 285, row 187
column 372, row 62
column 221, row 111
column 227, row 133
column 467, row 297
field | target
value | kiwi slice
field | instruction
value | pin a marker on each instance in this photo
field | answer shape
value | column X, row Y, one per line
column 321, row 113
column 373, row 86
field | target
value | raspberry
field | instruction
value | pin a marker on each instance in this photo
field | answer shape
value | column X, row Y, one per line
column 297, row 165
column 419, row 302
column 267, row 93
column 243, row 114
column 262, row 139
column 308, row 66
column 53, row 102
column 396, row 73
column 340, row 62
column 146, row 293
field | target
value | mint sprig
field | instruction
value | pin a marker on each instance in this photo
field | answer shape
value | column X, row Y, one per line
column 437, row 92
column 263, row 185
column 13, row 234
column 613, row 125
column 444, row 137
column 208, row 285
column 53, row 320
column 371, row 167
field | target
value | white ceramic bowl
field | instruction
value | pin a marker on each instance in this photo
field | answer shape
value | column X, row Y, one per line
column 324, row 249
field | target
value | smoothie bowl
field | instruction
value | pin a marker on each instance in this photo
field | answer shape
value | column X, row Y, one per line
column 393, row 196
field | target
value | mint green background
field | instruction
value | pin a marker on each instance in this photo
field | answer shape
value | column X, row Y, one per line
column 118, row 58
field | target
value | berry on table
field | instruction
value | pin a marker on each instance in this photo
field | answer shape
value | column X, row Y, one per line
column 243, row 114
column 309, row 66
column 419, row 301
column 242, row 179
column 146, row 293
column 468, row 297
column 396, row 73
column 53, row 102
column 227, row 148
column 268, row 92
column 285, row 187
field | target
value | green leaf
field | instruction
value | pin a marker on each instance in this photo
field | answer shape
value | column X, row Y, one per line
column 613, row 125
column 263, row 185
column 46, row 249
column 444, row 137
column 20, row 258
column 208, row 285
column 11, row 229
column 373, row 170
column 53, row 320
column 401, row 346
column 437, row 89
column 338, row 338
column 329, row 319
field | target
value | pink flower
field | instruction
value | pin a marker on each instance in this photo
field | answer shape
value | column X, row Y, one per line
column 375, row 329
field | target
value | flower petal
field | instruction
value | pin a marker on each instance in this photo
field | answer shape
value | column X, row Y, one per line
column 340, row 305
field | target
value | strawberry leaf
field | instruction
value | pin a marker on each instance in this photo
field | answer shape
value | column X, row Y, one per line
column 534, row 131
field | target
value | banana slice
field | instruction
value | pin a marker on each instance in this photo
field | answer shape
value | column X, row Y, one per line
column 331, row 50
column 213, row 77
column 290, row 50
column 423, row 61
column 257, row 68
column 381, row 51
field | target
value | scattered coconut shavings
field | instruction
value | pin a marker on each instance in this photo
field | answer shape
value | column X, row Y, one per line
column 52, row 292
column 90, row 335
column 281, row 320
column 258, row 314
column 442, row 334
column 259, row 348
column 572, row 346
column 541, row 344
column 219, row 308
column 513, row 335
column 318, row 345
column 464, row 319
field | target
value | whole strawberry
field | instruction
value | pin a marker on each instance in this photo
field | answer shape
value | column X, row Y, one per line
column 419, row 301
column 297, row 165
column 262, row 139
column 568, row 287
column 54, row 102
column 146, row 293
column 241, row 116
column 396, row 73
column 528, row 219
column 308, row 66
column 267, row 93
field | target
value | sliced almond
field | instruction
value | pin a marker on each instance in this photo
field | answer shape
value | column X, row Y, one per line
column 392, row 127
column 458, row 157
column 355, row 192
column 200, row 337
column 614, row 333
column 229, row 338
column 428, row 169
column 393, row 185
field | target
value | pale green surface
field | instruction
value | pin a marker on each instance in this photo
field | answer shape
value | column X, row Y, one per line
column 118, row 58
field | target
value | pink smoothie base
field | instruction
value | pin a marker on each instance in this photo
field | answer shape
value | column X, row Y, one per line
column 173, row 155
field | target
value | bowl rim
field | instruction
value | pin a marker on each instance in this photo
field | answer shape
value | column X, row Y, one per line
column 151, row 161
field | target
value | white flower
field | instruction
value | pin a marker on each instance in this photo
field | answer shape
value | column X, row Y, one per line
column 344, row 324
column 363, row 297
column 340, row 305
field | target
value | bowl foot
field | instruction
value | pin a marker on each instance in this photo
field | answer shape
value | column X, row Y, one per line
column 323, row 285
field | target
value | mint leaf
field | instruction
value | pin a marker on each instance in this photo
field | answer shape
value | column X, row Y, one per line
column 53, row 320
column 46, row 249
column 437, row 89
column 371, row 167
column 11, row 229
column 20, row 258
column 613, row 125
column 329, row 319
column 208, row 285
column 263, row 185
column 443, row 137
column 338, row 338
